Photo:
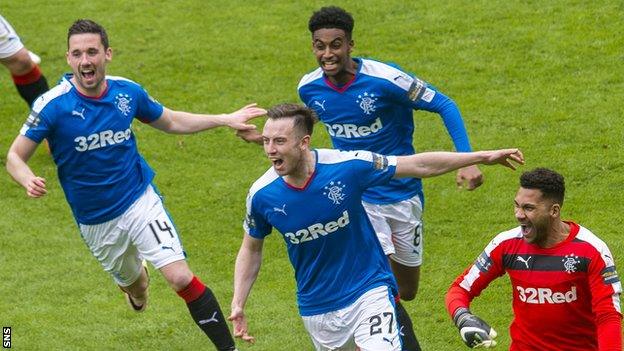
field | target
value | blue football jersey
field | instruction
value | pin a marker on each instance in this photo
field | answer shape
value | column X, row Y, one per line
column 330, row 240
column 374, row 112
column 93, row 146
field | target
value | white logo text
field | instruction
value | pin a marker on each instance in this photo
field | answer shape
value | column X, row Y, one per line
column 545, row 295
column 348, row 130
column 101, row 139
column 318, row 229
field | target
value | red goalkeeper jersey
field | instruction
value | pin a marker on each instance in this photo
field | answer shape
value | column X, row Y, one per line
column 566, row 297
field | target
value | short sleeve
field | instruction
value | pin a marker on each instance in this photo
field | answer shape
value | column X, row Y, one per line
column 373, row 169
column 255, row 224
column 37, row 126
column 148, row 109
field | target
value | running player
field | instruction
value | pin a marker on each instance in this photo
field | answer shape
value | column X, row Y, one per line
column 87, row 119
column 345, row 287
column 368, row 105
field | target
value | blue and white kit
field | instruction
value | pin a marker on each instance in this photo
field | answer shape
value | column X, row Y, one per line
column 374, row 112
column 330, row 241
column 93, row 146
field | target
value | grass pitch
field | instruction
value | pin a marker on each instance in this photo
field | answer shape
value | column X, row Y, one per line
column 543, row 76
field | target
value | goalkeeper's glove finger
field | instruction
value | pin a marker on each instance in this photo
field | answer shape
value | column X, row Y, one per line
column 473, row 330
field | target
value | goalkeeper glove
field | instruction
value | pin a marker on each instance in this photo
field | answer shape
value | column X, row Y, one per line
column 473, row 330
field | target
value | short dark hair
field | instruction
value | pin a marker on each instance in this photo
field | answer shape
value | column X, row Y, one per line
column 331, row 17
column 82, row 26
column 304, row 117
column 549, row 182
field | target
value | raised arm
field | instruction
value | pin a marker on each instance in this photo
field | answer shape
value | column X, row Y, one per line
column 430, row 164
column 246, row 271
column 179, row 122
column 19, row 153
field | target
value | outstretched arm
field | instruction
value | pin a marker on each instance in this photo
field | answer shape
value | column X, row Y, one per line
column 19, row 153
column 246, row 271
column 179, row 122
column 430, row 164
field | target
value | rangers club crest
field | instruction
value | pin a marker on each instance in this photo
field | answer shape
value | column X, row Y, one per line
column 570, row 263
column 123, row 103
column 367, row 102
column 333, row 191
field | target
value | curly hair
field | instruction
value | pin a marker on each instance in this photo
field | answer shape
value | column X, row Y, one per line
column 549, row 182
column 331, row 17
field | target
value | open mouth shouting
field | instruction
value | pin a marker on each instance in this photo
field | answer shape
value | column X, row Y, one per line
column 527, row 230
column 87, row 73
column 277, row 163
column 329, row 65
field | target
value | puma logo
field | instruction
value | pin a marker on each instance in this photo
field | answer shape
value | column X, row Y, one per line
column 282, row 210
column 167, row 247
column 211, row 319
column 320, row 104
column 391, row 341
column 79, row 114
column 526, row 262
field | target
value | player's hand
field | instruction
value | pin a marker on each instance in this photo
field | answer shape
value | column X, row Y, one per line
column 239, row 322
column 469, row 177
column 504, row 157
column 36, row 187
column 250, row 136
column 473, row 330
column 238, row 119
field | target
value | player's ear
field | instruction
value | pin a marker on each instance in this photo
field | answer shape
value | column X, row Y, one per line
column 351, row 45
column 109, row 54
column 305, row 142
column 555, row 210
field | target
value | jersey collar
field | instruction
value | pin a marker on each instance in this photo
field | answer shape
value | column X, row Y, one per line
column 69, row 76
column 343, row 88
column 305, row 186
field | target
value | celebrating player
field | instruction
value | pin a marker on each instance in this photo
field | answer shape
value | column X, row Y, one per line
column 345, row 287
column 22, row 64
column 87, row 119
column 566, row 292
column 368, row 105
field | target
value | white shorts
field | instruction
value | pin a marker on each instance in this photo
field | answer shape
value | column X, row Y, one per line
column 144, row 231
column 399, row 228
column 369, row 324
column 10, row 43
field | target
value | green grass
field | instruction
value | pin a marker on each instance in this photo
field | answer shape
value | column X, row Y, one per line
column 544, row 76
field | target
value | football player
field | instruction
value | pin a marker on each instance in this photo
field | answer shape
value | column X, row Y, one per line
column 345, row 287
column 566, row 291
column 87, row 120
column 368, row 105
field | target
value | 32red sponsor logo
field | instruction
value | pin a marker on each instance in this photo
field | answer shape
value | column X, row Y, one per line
column 545, row 295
